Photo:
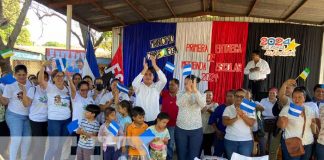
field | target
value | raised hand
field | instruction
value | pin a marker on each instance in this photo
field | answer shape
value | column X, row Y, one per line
column 145, row 66
column 194, row 85
column 153, row 59
column 46, row 63
column 188, row 86
column 22, row 87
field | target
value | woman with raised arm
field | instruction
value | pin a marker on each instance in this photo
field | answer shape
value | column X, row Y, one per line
column 59, row 110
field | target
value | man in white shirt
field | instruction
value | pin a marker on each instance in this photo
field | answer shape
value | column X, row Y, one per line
column 148, row 92
column 257, row 69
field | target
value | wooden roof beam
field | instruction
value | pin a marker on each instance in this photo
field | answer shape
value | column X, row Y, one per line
column 203, row 5
column 251, row 7
column 71, row 2
column 295, row 10
column 137, row 10
column 108, row 13
column 170, row 8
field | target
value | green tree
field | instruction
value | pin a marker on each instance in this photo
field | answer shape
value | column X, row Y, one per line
column 11, row 10
column 12, row 20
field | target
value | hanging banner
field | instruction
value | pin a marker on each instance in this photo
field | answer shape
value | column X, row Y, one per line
column 278, row 46
column 193, row 44
column 227, row 58
column 147, row 38
column 74, row 59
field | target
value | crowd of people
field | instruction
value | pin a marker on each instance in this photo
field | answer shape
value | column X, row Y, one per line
column 188, row 122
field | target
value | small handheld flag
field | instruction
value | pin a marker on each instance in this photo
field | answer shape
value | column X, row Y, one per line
column 113, row 128
column 322, row 85
column 186, row 70
column 169, row 67
column 61, row 64
column 304, row 74
column 248, row 106
column 6, row 53
column 295, row 110
column 72, row 126
column 122, row 88
column 146, row 138
column 7, row 79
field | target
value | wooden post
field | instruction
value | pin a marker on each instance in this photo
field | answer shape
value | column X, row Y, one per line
column 68, row 25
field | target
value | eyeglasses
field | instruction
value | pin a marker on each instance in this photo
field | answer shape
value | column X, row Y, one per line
column 59, row 76
column 239, row 96
column 84, row 90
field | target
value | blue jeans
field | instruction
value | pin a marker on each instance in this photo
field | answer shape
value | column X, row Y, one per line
column 219, row 148
column 319, row 151
column 286, row 156
column 170, row 143
column 244, row 148
column 57, row 132
column 20, row 134
column 188, row 143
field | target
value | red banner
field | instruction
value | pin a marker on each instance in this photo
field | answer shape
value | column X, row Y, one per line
column 227, row 58
column 117, row 64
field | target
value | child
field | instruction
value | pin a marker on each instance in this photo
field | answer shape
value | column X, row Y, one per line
column 158, row 148
column 134, row 130
column 88, row 129
column 109, row 142
column 124, row 108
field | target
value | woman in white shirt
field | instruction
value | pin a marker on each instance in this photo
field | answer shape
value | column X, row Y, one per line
column 188, row 131
column 15, row 96
column 37, row 99
column 238, row 136
column 59, row 110
column 293, row 126
column 320, row 140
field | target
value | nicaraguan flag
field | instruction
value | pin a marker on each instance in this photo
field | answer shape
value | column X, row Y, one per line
column 90, row 62
column 122, row 88
column 247, row 106
column 61, row 64
column 7, row 79
column 169, row 67
column 295, row 110
column 186, row 70
column 113, row 128
column 72, row 126
column 146, row 138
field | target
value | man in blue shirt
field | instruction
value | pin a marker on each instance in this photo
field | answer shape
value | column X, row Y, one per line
column 216, row 120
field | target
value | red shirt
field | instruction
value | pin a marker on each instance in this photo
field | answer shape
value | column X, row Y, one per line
column 170, row 107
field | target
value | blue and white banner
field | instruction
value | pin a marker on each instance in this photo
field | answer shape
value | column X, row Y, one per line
column 122, row 88
column 295, row 110
column 113, row 128
column 248, row 106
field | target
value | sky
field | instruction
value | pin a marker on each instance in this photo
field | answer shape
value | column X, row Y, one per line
column 54, row 29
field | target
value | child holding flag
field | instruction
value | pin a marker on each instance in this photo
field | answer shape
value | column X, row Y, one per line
column 158, row 148
column 88, row 129
column 135, row 129
column 106, row 135
column 296, row 119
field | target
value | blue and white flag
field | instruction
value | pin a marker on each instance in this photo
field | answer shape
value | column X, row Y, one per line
column 61, row 64
column 169, row 67
column 322, row 85
column 72, row 126
column 295, row 110
column 146, row 138
column 113, row 128
column 186, row 70
column 90, row 66
column 7, row 79
column 122, row 88
column 247, row 106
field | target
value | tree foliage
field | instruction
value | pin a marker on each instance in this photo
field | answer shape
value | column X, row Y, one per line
column 11, row 11
column 54, row 44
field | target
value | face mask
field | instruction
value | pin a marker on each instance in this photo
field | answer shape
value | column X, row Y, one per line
column 99, row 87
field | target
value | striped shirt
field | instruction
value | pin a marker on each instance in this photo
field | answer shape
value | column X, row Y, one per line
column 89, row 127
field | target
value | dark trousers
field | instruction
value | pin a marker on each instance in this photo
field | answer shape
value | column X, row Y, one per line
column 207, row 143
column 188, row 143
column 320, row 151
column 111, row 153
column 256, row 87
column 4, row 138
column 219, row 148
column 39, row 135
